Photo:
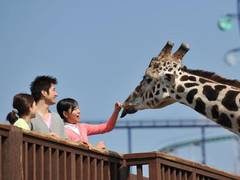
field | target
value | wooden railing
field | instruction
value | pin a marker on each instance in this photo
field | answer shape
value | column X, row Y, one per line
column 165, row 167
column 35, row 156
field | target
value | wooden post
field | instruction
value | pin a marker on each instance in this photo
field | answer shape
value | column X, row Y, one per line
column 12, row 155
column 154, row 169
column 124, row 171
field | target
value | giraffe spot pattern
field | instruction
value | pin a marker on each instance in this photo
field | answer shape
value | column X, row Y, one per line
column 220, row 87
column 188, row 85
column 178, row 97
column 200, row 106
column 157, row 92
column 211, row 93
column 135, row 94
column 154, row 88
column 155, row 65
column 146, row 96
column 168, row 77
column 203, row 81
column 150, row 95
column 148, row 104
column 190, row 95
column 184, row 78
column 229, row 101
column 224, row 121
column 192, row 78
column 138, row 88
column 153, row 102
column 180, row 88
column 215, row 112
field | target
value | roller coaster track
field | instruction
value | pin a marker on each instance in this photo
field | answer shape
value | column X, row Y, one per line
column 197, row 142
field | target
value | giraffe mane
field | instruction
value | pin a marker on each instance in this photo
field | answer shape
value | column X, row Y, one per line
column 213, row 77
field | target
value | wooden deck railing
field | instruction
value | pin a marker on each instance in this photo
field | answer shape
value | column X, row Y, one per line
column 34, row 156
column 165, row 167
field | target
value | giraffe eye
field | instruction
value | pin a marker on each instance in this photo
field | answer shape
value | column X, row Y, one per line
column 148, row 79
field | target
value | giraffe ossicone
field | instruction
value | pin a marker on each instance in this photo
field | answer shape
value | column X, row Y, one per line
column 167, row 81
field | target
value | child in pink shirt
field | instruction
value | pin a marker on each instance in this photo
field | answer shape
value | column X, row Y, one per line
column 69, row 111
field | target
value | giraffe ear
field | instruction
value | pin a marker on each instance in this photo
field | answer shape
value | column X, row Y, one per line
column 182, row 50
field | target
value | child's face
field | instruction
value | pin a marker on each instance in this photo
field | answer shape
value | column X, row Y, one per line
column 73, row 116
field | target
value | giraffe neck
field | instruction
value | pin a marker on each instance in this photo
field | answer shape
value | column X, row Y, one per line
column 217, row 101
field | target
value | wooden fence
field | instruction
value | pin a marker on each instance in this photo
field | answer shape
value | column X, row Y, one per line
column 35, row 156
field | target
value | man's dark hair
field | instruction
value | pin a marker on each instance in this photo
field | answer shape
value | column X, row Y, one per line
column 41, row 83
column 66, row 105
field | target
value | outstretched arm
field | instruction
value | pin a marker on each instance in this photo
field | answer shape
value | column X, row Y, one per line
column 113, row 119
column 108, row 126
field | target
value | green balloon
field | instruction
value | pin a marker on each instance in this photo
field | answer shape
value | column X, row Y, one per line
column 225, row 23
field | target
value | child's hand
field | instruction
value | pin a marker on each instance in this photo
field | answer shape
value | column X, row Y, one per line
column 55, row 135
column 118, row 106
column 101, row 145
column 86, row 144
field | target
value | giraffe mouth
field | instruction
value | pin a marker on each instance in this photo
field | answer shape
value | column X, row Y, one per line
column 126, row 111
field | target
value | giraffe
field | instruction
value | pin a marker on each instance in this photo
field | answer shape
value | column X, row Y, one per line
column 167, row 81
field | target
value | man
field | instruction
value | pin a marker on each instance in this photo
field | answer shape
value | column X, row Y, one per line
column 43, row 90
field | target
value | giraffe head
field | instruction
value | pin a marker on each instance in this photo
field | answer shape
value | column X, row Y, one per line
column 154, row 91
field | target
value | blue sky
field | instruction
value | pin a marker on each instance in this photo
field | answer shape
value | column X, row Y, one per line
column 98, row 50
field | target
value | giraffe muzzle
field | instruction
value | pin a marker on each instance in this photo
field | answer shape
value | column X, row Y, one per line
column 127, row 111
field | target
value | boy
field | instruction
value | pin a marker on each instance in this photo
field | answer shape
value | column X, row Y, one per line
column 43, row 90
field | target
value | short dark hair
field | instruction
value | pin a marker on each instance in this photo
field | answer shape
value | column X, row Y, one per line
column 41, row 83
column 66, row 104
column 21, row 104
